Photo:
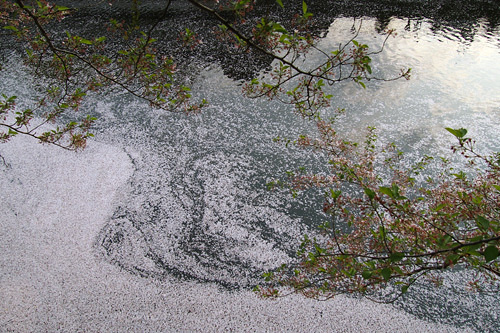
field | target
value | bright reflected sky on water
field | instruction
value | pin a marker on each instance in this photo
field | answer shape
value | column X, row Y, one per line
column 454, row 81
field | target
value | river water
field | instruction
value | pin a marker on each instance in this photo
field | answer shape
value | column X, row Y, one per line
column 167, row 215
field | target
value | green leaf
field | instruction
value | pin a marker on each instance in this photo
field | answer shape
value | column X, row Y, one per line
column 396, row 256
column 278, row 28
column 280, row 3
column 267, row 276
column 335, row 194
column 367, row 274
column 304, row 7
column 439, row 207
column 472, row 249
column 386, row 190
column 404, row 288
column 386, row 273
column 482, row 223
column 398, row 270
column 445, row 240
column 370, row 193
column 453, row 258
column 460, row 175
column 11, row 27
column 477, row 199
column 459, row 133
column 395, row 190
column 490, row 253
column 284, row 39
column 381, row 231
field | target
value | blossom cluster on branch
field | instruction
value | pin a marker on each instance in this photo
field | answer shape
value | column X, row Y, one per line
column 386, row 227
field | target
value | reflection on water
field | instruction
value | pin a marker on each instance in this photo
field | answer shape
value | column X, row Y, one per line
column 447, row 17
column 451, row 81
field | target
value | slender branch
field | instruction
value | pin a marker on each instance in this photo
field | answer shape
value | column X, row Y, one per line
column 427, row 254
column 246, row 39
column 47, row 40
column 38, row 137
column 150, row 32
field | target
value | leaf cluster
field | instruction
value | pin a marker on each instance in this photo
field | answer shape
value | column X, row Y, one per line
column 394, row 230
